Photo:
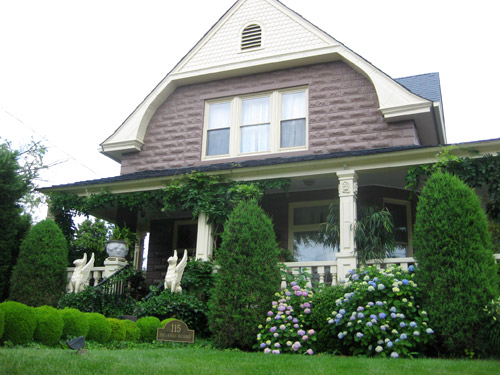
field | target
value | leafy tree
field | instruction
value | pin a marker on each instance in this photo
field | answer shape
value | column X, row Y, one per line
column 247, row 278
column 90, row 237
column 39, row 277
column 456, row 269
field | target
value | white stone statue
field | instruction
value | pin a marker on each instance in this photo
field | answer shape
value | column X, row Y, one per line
column 174, row 272
column 81, row 274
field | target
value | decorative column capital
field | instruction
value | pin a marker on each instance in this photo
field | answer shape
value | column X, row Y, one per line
column 348, row 185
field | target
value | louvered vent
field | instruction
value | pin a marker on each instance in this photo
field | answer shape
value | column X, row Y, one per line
column 251, row 37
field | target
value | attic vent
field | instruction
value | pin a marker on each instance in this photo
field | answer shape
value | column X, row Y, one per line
column 251, row 37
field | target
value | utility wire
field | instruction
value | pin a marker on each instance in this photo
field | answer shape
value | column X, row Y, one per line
column 52, row 144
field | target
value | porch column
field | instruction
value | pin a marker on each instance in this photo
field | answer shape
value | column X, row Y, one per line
column 204, row 238
column 139, row 249
column 348, row 190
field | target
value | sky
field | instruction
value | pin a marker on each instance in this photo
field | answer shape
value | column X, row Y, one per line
column 72, row 71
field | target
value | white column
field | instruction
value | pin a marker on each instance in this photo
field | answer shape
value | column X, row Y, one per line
column 348, row 190
column 139, row 249
column 204, row 238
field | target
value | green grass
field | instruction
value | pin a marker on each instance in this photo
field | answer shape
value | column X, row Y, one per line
column 209, row 361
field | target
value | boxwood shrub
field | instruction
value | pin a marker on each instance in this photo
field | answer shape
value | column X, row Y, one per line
column 118, row 330
column 181, row 306
column 76, row 323
column 20, row 322
column 2, row 323
column 148, row 326
column 132, row 332
column 49, row 326
column 99, row 328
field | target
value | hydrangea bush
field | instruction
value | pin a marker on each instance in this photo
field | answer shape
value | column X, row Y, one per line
column 379, row 315
column 288, row 323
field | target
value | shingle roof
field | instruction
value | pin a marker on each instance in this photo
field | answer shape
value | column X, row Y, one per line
column 228, row 166
column 425, row 85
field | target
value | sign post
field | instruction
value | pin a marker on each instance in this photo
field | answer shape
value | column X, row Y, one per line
column 175, row 331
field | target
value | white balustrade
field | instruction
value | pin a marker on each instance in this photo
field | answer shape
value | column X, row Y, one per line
column 96, row 273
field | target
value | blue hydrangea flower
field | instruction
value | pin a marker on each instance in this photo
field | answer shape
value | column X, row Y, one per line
column 413, row 324
column 394, row 355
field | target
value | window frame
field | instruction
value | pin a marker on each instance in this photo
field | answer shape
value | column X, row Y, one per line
column 409, row 223
column 292, row 228
column 236, row 124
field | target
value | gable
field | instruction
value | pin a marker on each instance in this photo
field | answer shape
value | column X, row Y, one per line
column 287, row 41
column 281, row 34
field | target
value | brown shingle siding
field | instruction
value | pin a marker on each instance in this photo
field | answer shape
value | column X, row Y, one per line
column 343, row 115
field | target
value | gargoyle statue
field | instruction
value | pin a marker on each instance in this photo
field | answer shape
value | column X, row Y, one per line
column 81, row 274
column 174, row 272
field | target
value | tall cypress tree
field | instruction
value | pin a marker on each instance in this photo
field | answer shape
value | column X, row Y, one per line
column 39, row 277
column 456, row 269
column 247, row 277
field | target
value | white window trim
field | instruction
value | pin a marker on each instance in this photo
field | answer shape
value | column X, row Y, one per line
column 235, row 126
column 304, row 227
column 407, row 204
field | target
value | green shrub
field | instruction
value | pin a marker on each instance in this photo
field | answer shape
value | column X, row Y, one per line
column 118, row 329
column 49, row 327
column 287, row 328
column 324, row 303
column 198, row 279
column 76, row 323
column 457, row 272
column 247, row 278
column 379, row 315
column 99, row 328
column 181, row 306
column 20, row 322
column 132, row 332
column 148, row 326
column 2, row 323
column 40, row 276
column 96, row 300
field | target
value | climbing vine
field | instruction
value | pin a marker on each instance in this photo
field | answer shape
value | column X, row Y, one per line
column 195, row 192
column 476, row 171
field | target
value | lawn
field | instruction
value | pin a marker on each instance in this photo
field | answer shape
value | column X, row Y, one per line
column 209, row 361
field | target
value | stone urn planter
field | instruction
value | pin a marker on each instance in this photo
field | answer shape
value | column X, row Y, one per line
column 117, row 249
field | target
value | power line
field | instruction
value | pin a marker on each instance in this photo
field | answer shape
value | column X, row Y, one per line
column 52, row 144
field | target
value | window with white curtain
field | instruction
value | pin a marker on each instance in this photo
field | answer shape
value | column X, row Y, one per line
column 268, row 122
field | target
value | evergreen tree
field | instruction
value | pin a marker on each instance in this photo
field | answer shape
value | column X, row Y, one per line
column 456, row 269
column 39, row 277
column 247, row 277
column 12, row 226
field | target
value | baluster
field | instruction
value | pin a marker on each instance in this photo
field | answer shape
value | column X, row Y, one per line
column 321, row 273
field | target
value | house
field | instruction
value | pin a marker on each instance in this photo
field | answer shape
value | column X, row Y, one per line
column 266, row 94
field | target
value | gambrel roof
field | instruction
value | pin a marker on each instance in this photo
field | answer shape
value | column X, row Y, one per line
column 287, row 40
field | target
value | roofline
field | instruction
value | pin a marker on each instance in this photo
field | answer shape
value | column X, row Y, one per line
column 282, row 167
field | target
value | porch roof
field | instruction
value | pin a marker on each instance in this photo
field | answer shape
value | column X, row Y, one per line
column 151, row 174
column 285, row 167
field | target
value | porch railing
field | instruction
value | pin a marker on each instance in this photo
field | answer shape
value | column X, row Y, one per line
column 96, row 274
column 325, row 272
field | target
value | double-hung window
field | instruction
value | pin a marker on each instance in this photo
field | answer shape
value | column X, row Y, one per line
column 268, row 122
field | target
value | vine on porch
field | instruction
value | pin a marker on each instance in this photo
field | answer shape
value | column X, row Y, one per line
column 196, row 192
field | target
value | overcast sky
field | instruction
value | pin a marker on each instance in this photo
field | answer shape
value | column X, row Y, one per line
column 72, row 71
